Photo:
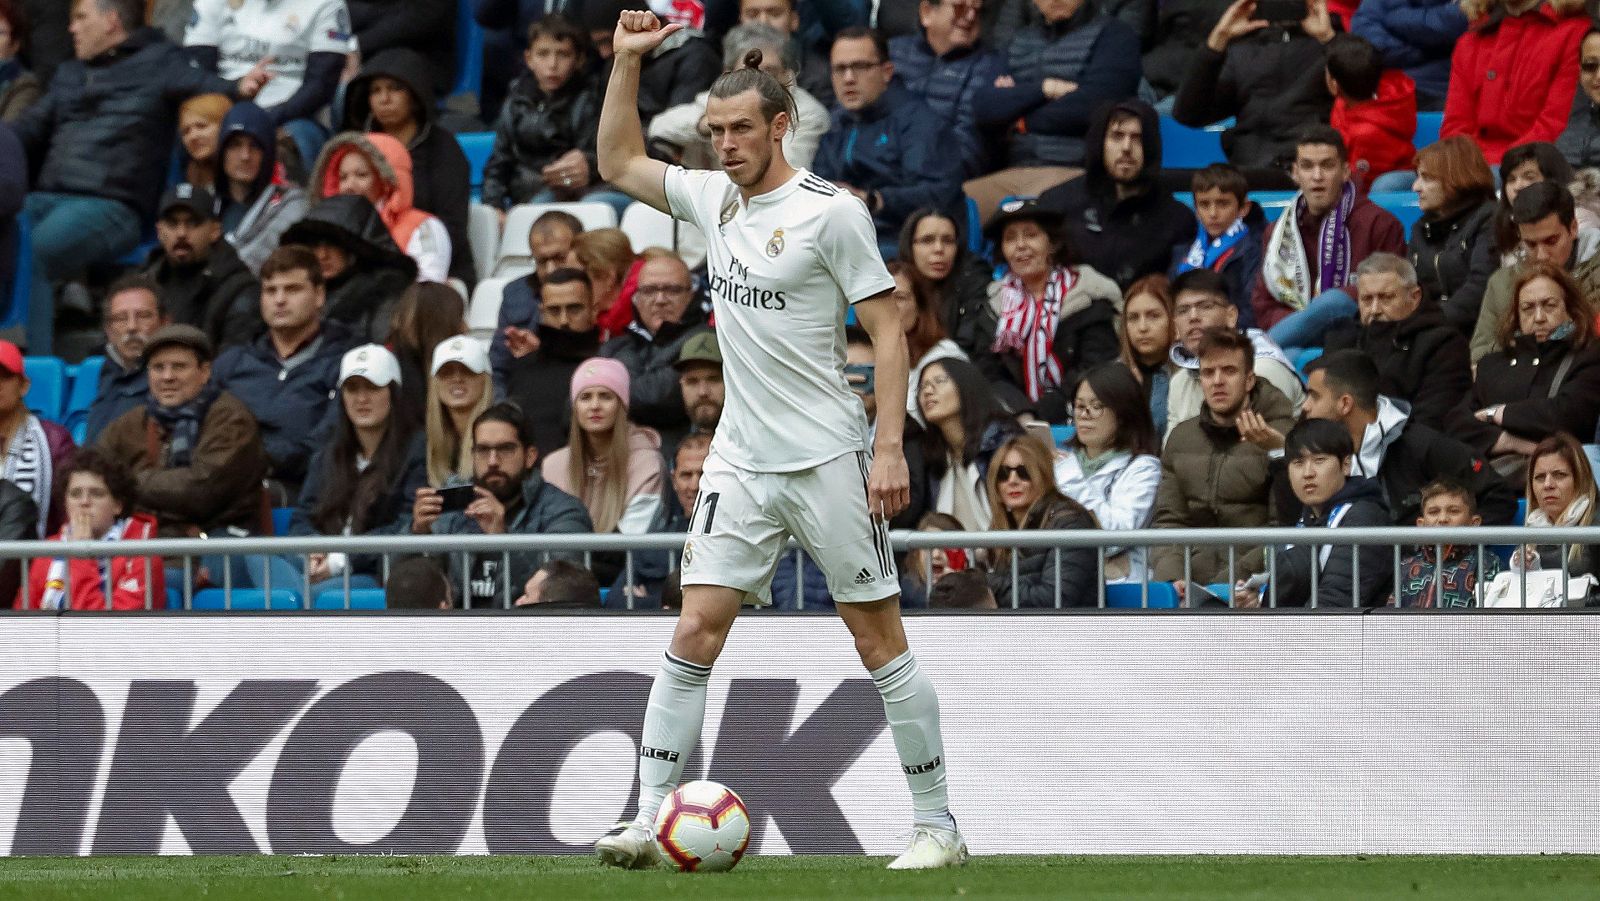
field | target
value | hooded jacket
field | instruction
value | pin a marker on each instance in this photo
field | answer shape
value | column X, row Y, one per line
column 534, row 129
column 440, row 175
column 654, row 396
column 1414, row 35
column 364, row 295
column 1402, row 456
column 1521, row 377
column 1129, row 238
column 1512, row 79
column 420, row 235
column 1454, row 258
column 1270, row 81
column 1372, row 228
column 191, row 293
column 1585, row 270
column 254, row 225
column 1378, row 132
column 1185, row 400
column 290, row 398
column 1421, row 360
column 87, row 577
column 892, row 148
column 105, row 126
column 1210, row 477
column 1358, row 504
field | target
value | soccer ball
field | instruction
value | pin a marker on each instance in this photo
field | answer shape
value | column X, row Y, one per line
column 703, row 827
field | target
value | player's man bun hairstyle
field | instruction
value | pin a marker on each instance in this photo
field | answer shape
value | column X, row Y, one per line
column 774, row 96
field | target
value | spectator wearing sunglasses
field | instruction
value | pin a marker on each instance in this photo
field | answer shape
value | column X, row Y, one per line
column 1023, row 495
column 1580, row 142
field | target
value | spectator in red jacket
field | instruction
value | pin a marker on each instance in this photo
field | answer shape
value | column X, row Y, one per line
column 99, row 499
column 1373, row 110
column 1513, row 74
column 1305, row 270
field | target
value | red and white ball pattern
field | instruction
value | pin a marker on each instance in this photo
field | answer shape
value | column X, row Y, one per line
column 703, row 827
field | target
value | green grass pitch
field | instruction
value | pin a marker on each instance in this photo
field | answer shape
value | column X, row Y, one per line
column 1015, row 876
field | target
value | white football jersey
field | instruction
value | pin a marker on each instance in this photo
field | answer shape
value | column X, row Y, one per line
column 247, row 31
column 782, row 269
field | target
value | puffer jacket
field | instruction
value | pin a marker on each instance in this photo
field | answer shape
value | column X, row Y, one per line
column 87, row 578
column 1521, row 377
column 1130, row 237
column 1038, row 570
column 1212, row 478
column 655, row 399
column 1585, row 270
column 1421, row 359
column 363, row 296
column 533, row 129
column 419, row 235
column 1270, row 81
column 1378, row 132
column 1512, row 78
column 1185, row 400
column 1414, row 35
column 1358, row 504
column 1579, row 142
column 441, row 177
column 255, row 225
column 221, row 486
column 105, row 126
column 1098, row 53
column 1121, row 495
column 968, row 304
column 1454, row 258
column 892, row 147
column 1181, row 27
column 948, row 85
column 290, row 398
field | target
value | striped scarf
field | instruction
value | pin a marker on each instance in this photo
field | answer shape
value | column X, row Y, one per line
column 1028, row 328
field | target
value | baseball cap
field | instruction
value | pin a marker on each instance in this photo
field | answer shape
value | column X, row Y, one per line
column 10, row 358
column 372, row 362
column 193, row 198
column 701, row 348
column 467, row 351
column 183, row 336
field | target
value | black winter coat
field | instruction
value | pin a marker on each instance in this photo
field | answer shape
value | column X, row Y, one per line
column 675, row 73
column 1126, row 239
column 441, row 179
column 969, row 318
column 1083, row 340
column 655, row 399
column 364, row 296
column 1271, row 81
column 1520, row 377
column 390, row 506
column 19, row 521
column 105, row 127
column 197, row 293
column 1336, row 578
column 424, row 27
column 539, row 382
column 533, row 129
column 1180, row 30
column 1422, row 359
column 1454, row 257
column 1038, row 572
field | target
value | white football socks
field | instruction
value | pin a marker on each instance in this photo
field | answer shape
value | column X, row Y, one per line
column 912, row 708
column 672, row 723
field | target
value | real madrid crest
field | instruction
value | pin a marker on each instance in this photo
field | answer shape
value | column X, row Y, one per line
column 688, row 552
column 775, row 245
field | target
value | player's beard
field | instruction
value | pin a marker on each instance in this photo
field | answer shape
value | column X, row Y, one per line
column 756, row 169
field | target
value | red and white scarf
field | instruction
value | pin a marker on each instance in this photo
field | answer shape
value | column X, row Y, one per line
column 1028, row 328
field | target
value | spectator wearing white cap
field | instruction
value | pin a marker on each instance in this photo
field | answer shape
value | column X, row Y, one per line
column 458, row 391
column 366, row 475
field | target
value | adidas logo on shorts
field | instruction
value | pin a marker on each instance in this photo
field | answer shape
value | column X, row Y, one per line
column 863, row 577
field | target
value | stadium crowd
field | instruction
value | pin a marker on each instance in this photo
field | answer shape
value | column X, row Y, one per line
column 1097, row 340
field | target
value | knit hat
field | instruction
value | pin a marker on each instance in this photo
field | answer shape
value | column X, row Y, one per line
column 601, row 372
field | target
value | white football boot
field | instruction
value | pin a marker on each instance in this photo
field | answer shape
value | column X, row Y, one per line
column 628, row 846
column 932, row 848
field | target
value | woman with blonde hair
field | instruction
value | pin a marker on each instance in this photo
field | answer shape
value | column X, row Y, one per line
column 1023, row 496
column 1146, row 340
column 458, row 391
column 607, row 256
column 199, row 131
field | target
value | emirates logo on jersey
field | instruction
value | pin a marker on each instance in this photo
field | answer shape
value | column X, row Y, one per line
column 775, row 245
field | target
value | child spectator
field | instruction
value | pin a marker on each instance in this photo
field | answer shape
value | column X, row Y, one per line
column 1374, row 110
column 544, row 141
column 1228, row 241
column 1425, row 581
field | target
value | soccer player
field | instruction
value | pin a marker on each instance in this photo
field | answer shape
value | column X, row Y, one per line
column 785, row 251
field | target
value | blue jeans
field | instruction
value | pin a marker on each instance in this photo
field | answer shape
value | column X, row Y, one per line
column 308, row 138
column 1306, row 328
column 70, row 232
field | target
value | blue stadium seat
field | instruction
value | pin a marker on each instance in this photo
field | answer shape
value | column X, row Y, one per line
column 85, row 385
column 1183, row 147
column 469, row 52
column 1428, row 125
column 1403, row 204
column 360, row 599
column 1122, row 595
column 17, row 313
column 47, row 389
column 280, row 520
column 1522, row 512
column 477, row 145
column 246, row 599
column 1062, row 434
column 174, row 599
column 1306, row 356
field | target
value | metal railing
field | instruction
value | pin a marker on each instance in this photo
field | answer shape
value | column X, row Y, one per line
column 182, row 555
